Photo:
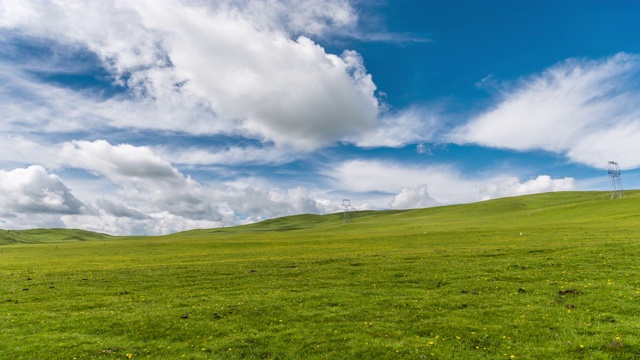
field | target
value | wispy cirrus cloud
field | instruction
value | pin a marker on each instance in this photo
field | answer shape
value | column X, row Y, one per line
column 234, row 155
column 587, row 110
column 389, row 37
column 415, row 124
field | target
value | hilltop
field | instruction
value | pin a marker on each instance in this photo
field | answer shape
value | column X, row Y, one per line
column 45, row 236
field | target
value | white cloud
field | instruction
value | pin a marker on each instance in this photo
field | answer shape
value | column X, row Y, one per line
column 586, row 110
column 145, row 181
column 227, row 156
column 259, row 204
column 150, row 192
column 383, row 183
column 408, row 126
column 33, row 191
column 446, row 184
column 410, row 198
column 122, row 163
column 295, row 94
column 240, row 65
column 512, row 186
column 27, row 104
column 305, row 16
column 160, row 223
column 423, row 149
column 20, row 150
column 120, row 211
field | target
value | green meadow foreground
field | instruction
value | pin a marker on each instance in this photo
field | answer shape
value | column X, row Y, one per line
column 550, row 276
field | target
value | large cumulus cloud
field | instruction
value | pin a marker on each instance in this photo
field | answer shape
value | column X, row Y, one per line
column 151, row 196
column 233, row 67
column 142, row 176
column 33, row 190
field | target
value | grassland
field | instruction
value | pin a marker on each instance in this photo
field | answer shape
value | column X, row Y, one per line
column 549, row 276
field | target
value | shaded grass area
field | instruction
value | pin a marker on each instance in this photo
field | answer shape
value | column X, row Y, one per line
column 543, row 276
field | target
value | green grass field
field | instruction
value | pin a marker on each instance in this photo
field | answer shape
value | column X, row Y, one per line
column 549, row 276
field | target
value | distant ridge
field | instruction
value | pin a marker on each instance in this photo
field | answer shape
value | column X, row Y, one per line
column 587, row 206
column 546, row 208
column 43, row 236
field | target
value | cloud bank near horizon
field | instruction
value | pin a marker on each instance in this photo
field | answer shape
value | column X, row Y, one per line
column 147, row 194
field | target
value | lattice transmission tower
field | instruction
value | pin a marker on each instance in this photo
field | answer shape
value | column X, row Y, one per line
column 616, row 183
column 346, row 204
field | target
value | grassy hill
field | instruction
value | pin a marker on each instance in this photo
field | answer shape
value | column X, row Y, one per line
column 542, row 208
column 534, row 277
column 44, row 236
column 548, row 208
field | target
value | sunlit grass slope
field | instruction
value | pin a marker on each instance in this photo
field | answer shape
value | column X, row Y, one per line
column 549, row 276
column 35, row 236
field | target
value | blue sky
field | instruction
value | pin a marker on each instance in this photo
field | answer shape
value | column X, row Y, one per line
column 134, row 117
